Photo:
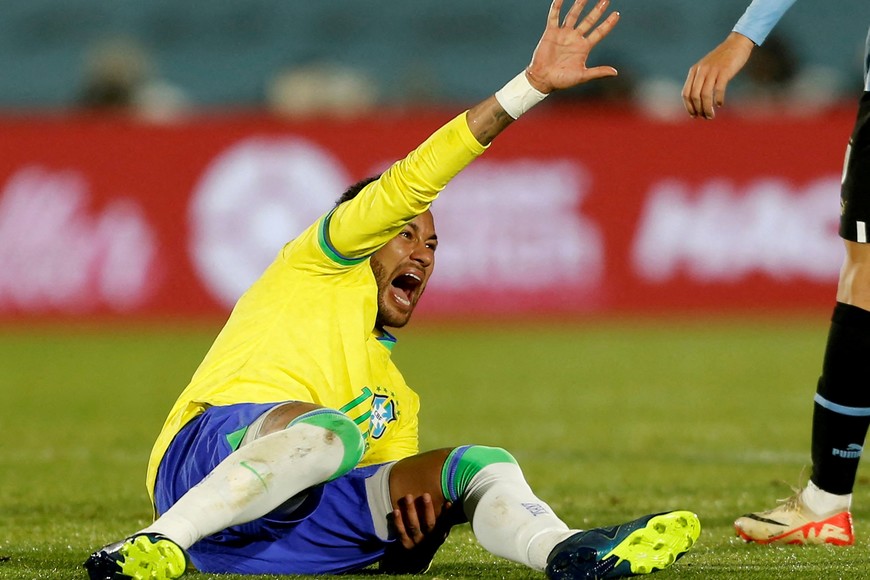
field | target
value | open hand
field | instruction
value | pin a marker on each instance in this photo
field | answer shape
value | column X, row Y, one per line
column 559, row 60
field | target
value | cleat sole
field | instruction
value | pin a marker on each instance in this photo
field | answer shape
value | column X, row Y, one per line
column 141, row 557
column 659, row 544
column 144, row 559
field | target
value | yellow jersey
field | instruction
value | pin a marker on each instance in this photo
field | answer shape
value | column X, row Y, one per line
column 305, row 330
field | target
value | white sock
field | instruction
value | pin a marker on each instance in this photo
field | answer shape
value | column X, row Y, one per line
column 508, row 519
column 253, row 481
column 823, row 502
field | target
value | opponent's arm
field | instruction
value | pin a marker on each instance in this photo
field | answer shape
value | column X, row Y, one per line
column 760, row 18
column 704, row 89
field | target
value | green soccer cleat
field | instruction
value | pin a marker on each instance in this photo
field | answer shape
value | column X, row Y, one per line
column 642, row 546
column 139, row 557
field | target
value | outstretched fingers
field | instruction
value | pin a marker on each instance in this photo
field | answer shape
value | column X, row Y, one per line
column 573, row 14
column 592, row 17
column 599, row 72
column 588, row 23
column 559, row 60
column 605, row 27
column 554, row 14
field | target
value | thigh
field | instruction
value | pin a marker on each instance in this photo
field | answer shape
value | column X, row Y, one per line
column 854, row 285
column 855, row 191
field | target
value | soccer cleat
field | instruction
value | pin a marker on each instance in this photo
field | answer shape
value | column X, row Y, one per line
column 642, row 546
column 139, row 557
column 792, row 522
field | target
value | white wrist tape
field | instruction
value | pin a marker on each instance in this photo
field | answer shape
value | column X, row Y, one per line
column 518, row 96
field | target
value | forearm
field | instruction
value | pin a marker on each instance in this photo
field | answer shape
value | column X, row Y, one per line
column 760, row 18
column 487, row 119
column 493, row 115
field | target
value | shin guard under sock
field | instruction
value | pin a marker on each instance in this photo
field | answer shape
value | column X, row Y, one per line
column 841, row 414
column 507, row 518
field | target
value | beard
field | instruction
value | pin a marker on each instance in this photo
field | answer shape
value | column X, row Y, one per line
column 387, row 316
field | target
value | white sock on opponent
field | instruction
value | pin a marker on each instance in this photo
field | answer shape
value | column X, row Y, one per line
column 823, row 502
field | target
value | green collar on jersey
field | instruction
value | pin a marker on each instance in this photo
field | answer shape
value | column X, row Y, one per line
column 386, row 339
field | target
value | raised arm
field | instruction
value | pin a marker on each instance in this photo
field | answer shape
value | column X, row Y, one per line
column 558, row 62
column 708, row 79
column 357, row 229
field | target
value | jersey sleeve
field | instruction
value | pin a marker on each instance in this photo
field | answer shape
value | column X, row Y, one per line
column 356, row 229
column 760, row 18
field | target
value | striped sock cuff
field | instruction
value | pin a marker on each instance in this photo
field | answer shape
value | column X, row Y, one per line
column 464, row 463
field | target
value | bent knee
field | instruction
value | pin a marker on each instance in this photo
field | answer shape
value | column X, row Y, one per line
column 280, row 416
column 342, row 431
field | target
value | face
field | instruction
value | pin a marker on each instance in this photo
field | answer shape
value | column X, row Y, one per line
column 402, row 269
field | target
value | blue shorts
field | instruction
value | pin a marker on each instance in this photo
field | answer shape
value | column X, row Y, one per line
column 331, row 532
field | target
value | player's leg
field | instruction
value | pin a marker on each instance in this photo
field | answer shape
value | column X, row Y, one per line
column 289, row 449
column 842, row 403
column 819, row 513
column 510, row 521
column 842, row 410
column 841, row 414
column 296, row 446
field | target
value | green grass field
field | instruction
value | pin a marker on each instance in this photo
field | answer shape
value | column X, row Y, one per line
column 610, row 420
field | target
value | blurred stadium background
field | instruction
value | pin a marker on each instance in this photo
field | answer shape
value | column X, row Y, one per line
column 225, row 54
column 155, row 155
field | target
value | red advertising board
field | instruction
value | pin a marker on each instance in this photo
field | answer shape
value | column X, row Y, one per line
column 573, row 211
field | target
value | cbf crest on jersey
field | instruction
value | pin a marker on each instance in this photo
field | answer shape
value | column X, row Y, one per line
column 383, row 412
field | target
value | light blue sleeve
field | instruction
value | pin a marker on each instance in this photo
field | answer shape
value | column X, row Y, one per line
column 760, row 18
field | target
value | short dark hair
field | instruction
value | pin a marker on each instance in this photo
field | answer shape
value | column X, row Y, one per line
column 352, row 191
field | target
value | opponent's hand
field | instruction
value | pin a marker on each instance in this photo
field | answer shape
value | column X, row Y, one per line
column 705, row 86
column 559, row 60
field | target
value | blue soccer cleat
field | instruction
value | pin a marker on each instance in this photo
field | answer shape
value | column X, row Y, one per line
column 139, row 557
column 642, row 546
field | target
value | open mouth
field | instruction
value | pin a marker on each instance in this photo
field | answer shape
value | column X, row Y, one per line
column 405, row 286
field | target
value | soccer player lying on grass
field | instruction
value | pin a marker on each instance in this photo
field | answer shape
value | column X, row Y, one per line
column 294, row 449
